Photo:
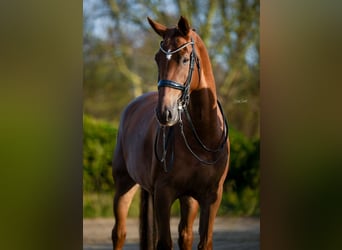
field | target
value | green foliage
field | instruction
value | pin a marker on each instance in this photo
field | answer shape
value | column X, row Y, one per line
column 99, row 140
column 241, row 189
column 97, row 205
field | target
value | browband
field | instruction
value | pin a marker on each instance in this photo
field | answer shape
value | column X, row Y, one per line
column 169, row 52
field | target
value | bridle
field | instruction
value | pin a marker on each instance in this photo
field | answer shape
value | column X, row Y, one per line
column 182, row 106
column 184, row 99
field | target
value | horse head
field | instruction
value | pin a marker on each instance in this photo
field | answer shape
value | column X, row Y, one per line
column 175, row 58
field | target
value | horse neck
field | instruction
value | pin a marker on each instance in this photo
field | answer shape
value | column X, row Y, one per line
column 203, row 99
column 203, row 108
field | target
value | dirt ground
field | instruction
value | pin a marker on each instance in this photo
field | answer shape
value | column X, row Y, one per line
column 229, row 234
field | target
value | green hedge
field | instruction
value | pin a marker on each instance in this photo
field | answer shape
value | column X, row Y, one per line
column 241, row 190
column 99, row 140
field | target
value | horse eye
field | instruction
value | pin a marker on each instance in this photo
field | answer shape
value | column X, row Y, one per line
column 185, row 60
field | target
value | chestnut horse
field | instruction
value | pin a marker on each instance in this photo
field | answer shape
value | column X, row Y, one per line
column 173, row 144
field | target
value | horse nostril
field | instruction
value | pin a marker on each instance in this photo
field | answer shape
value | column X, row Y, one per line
column 168, row 115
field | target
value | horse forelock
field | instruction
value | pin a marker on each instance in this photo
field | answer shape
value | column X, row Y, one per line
column 174, row 38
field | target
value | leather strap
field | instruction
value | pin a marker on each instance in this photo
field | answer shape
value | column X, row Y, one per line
column 171, row 84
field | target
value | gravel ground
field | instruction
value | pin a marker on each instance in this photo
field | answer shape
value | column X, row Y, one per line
column 229, row 234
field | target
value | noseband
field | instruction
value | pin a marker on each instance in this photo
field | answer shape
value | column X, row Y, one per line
column 184, row 100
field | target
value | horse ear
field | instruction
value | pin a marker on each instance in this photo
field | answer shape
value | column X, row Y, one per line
column 158, row 28
column 183, row 26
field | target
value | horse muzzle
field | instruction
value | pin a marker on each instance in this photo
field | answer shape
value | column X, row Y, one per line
column 167, row 116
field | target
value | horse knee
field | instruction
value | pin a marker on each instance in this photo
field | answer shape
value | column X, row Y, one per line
column 118, row 238
column 185, row 240
column 119, row 235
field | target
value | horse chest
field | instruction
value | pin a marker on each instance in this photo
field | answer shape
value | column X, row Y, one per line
column 198, row 178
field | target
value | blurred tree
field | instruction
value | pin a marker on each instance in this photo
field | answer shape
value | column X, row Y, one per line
column 119, row 62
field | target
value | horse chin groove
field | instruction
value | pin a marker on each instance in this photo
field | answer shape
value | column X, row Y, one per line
column 168, row 123
column 171, row 123
column 167, row 118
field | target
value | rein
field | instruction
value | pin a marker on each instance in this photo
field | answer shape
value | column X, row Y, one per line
column 166, row 140
column 183, row 106
column 217, row 150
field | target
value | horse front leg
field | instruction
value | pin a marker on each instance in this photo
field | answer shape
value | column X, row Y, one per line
column 207, row 217
column 163, row 200
column 122, row 200
column 188, row 208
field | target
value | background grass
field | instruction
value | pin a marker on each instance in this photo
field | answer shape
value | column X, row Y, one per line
column 101, row 205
